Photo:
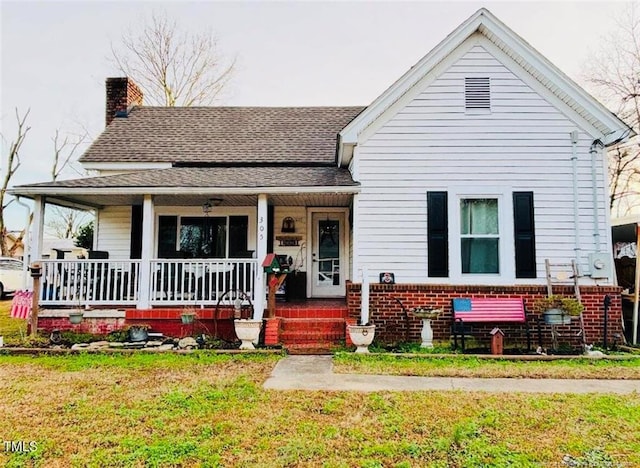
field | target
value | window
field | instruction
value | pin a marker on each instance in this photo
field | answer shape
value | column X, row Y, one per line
column 489, row 234
column 479, row 235
column 477, row 94
column 203, row 237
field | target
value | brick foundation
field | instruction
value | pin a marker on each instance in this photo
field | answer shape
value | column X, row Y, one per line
column 166, row 321
column 393, row 325
column 95, row 326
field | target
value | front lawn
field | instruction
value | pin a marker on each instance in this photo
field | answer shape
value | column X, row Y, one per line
column 11, row 329
column 433, row 365
column 211, row 410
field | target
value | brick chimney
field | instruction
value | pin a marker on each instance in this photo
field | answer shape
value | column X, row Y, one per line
column 122, row 93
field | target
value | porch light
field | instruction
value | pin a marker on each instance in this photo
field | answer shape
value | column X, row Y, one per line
column 209, row 204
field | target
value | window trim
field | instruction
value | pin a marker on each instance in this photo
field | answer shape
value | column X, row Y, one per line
column 506, row 250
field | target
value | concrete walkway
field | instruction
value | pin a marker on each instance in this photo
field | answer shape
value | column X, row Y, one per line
column 316, row 373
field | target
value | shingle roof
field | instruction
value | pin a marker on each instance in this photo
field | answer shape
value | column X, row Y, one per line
column 213, row 177
column 223, row 135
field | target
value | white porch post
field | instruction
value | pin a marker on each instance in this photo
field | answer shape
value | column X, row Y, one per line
column 36, row 233
column 261, row 253
column 364, row 297
column 148, row 221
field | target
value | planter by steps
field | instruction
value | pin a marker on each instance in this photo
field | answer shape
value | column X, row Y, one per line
column 248, row 331
column 362, row 336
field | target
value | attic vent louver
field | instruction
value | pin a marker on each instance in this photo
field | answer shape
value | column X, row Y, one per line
column 477, row 93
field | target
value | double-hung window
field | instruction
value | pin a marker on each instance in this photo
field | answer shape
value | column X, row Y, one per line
column 475, row 234
column 479, row 235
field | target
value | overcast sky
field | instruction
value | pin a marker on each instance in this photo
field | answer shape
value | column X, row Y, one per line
column 55, row 54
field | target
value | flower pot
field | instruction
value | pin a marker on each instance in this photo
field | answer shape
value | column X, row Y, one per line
column 556, row 317
column 362, row 336
column 75, row 317
column 248, row 331
column 187, row 318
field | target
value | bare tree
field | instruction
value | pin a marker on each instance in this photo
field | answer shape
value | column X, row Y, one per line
column 173, row 67
column 64, row 151
column 10, row 168
column 63, row 222
column 614, row 74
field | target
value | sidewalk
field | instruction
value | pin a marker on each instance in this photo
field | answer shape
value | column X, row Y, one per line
column 316, row 373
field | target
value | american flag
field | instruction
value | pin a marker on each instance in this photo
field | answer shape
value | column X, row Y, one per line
column 21, row 305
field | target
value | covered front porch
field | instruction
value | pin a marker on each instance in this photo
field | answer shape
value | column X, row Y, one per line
column 161, row 243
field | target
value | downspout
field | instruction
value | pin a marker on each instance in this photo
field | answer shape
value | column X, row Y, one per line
column 576, row 218
column 26, row 244
column 595, row 146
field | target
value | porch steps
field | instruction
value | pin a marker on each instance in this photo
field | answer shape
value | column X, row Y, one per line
column 312, row 328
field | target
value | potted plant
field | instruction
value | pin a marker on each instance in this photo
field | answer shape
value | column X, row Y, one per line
column 362, row 336
column 75, row 316
column 427, row 314
column 558, row 310
column 188, row 316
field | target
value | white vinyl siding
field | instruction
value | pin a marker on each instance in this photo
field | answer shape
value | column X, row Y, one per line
column 114, row 231
column 433, row 144
column 297, row 253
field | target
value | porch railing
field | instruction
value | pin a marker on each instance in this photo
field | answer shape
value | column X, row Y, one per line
column 118, row 282
column 90, row 282
column 200, row 282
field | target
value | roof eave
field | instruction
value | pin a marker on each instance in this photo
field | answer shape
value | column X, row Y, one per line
column 32, row 191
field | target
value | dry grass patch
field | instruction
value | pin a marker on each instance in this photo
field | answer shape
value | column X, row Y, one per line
column 468, row 366
column 211, row 410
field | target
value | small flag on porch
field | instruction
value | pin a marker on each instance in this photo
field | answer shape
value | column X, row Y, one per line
column 21, row 304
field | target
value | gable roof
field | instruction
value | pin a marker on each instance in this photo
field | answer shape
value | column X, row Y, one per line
column 223, row 135
column 485, row 23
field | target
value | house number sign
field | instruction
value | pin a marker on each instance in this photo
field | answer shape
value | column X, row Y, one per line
column 261, row 228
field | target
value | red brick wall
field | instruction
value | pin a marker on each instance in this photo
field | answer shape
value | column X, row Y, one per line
column 393, row 325
column 96, row 326
column 166, row 321
column 122, row 93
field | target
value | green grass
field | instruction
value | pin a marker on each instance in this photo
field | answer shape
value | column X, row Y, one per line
column 470, row 366
column 211, row 410
column 11, row 329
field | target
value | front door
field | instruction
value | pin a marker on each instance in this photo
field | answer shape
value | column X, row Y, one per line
column 327, row 254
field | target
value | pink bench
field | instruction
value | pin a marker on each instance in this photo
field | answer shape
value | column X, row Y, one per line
column 483, row 310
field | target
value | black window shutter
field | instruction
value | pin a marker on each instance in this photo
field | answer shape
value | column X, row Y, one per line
column 136, row 232
column 437, row 235
column 524, row 234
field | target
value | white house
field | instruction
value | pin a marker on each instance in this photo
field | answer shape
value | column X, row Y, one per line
column 475, row 166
